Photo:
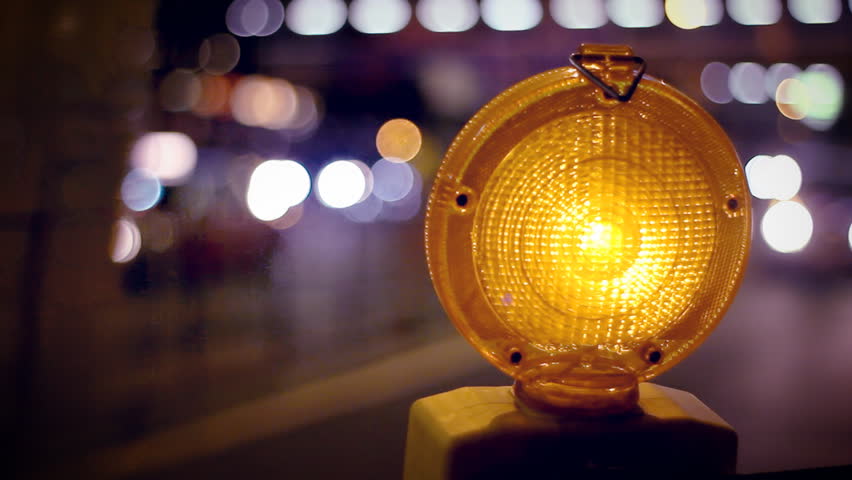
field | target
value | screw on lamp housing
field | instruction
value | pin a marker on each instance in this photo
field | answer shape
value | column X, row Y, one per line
column 587, row 229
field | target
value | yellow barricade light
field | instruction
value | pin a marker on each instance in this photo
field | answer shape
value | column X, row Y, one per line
column 587, row 229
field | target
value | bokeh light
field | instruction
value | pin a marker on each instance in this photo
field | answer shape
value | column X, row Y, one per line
column 635, row 13
column 158, row 229
column 364, row 212
column 407, row 207
column 289, row 219
column 341, row 184
column 690, row 14
column 179, row 90
column 126, row 241
column 398, row 140
column 219, row 54
column 451, row 86
column 215, row 93
column 168, row 156
column 316, row 17
column 714, row 82
column 815, row 11
column 792, row 98
column 261, row 101
column 778, row 177
column 787, row 226
column 392, row 181
column 275, row 186
column 369, row 181
column 578, row 13
column 140, row 190
column 511, row 15
column 379, row 16
column 755, row 12
column 747, row 82
column 825, row 95
column 447, row 15
column 777, row 73
column 850, row 237
column 246, row 18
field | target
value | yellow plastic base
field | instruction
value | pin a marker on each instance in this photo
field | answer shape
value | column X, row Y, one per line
column 480, row 432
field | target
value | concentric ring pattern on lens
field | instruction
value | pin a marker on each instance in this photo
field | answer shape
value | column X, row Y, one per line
column 595, row 229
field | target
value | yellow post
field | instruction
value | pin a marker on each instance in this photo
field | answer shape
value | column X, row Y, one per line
column 481, row 432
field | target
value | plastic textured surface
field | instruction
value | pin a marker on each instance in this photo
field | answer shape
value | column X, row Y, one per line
column 479, row 432
column 583, row 244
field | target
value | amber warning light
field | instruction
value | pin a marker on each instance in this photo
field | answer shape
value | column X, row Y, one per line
column 587, row 230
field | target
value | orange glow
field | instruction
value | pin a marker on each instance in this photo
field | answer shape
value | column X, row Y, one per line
column 583, row 246
column 398, row 140
column 264, row 102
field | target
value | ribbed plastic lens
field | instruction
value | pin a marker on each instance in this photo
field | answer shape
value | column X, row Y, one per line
column 594, row 229
column 582, row 243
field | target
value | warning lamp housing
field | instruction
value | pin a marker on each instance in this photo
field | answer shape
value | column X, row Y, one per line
column 587, row 229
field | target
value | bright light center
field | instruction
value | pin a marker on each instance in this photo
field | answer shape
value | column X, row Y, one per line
column 601, row 239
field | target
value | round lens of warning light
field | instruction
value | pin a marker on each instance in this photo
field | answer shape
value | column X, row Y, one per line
column 583, row 244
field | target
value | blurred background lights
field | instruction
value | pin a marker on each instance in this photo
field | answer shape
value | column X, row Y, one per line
column 824, row 86
column 126, row 241
column 777, row 73
column 368, row 178
column 264, row 102
column 341, row 184
column 850, row 231
column 316, row 17
column 179, row 90
column 140, row 190
column 392, row 181
column 379, row 16
column 246, row 18
column 777, row 177
column 215, row 92
column 219, row 54
column 168, row 156
column 275, row 186
column 787, row 226
column 447, row 15
column 511, row 15
column 289, row 219
column 747, row 82
column 407, row 207
column 578, row 13
column 450, row 85
column 635, row 13
column 755, row 12
column 366, row 211
column 815, row 11
column 690, row 14
column 398, row 140
column 714, row 82
column 792, row 98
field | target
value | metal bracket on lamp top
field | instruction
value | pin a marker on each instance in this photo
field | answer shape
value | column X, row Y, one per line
column 607, row 59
